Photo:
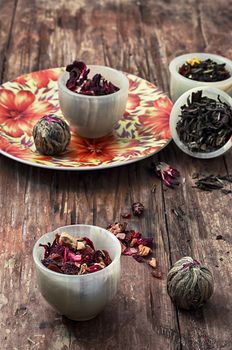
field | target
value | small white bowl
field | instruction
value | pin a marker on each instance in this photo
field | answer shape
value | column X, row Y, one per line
column 179, row 84
column 94, row 116
column 176, row 111
column 80, row 297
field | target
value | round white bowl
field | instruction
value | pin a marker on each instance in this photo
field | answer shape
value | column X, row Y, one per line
column 179, row 84
column 176, row 111
column 80, row 297
column 94, row 116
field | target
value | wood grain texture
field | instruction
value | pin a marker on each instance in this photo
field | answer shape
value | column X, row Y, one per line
column 140, row 37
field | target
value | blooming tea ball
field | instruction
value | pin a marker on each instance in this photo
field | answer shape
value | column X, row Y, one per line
column 189, row 283
column 51, row 135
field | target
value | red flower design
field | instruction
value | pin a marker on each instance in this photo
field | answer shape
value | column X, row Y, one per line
column 94, row 150
column 19, row 111
column 158, row 122
column 133, row 101
column 41, row 79
column 13, row 149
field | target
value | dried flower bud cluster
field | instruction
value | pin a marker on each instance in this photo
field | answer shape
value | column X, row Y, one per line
column 168, row 174
column 74, row 255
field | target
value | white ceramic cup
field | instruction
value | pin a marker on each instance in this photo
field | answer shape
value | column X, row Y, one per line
column 179, row 84
column 94, row 116
column 176, row 111
column 80, row 297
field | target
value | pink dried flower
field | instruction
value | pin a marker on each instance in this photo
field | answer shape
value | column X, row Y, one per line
column 168, row 174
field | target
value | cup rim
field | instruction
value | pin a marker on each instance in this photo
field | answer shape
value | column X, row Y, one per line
column 174, row 69
column 180, row 102
column 39, row 264
column 62, row 85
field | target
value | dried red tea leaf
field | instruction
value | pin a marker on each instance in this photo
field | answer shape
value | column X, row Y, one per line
column 80, row 83
column 71, row 255
column 147, row 241
column 168, row 174
column 138, row 258
column 137, row 209
column 130, row 251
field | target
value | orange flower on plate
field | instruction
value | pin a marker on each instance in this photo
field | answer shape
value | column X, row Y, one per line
column 99, row 150
column 133, row 101
column 41, row 79
column 20, row 111
column 158, row 122
column 12, row 149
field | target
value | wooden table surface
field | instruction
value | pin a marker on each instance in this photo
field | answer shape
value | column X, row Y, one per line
column 140, row 37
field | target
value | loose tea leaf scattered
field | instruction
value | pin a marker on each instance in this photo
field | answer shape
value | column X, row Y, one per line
column 205, row 124
column 74, row 255
column 137, row 209
column 209, row 183
column 207, row 70
column 168, row 174
column 214, row 182
column 80, row 83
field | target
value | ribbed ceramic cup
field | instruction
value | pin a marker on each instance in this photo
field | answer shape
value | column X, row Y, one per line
column 176, row 111
column 80, row 297
column 179, row 84
column 94, row 116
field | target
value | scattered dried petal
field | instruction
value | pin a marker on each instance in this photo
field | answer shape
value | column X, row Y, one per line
column 168, row 174
column 130, row 251
column 138, row 258
column 153, row 263
column 117, row 227
column 143, row 250
column 121, row 236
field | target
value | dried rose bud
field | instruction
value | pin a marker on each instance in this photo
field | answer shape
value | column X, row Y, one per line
column 152, row 263
column 143, row 250
column 168, row 174
column 137, row 208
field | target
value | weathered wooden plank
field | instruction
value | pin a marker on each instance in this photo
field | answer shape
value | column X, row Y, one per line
column 141, row 38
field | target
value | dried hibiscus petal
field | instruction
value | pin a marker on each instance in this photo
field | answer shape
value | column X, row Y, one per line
column 138, row 258
column 168, row 174
column 74, row 256
column 80, row 83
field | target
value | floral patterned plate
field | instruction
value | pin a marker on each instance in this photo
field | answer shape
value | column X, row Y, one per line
column 143, row 130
